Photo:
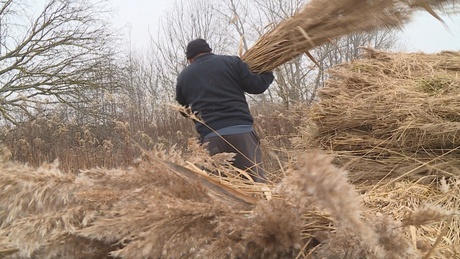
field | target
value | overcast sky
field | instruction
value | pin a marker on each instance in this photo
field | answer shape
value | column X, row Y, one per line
column 424, row 33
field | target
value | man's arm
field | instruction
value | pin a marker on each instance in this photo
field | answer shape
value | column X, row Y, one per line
column 179, row 96
column 181, row 99
column 254, row 83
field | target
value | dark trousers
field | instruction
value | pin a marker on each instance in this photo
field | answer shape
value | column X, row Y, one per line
column 245, row 143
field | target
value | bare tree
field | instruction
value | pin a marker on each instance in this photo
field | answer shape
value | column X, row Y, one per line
column 54, row 56
column 187, row 20
column 148, row 77
column 141, row 93
column 231, row 27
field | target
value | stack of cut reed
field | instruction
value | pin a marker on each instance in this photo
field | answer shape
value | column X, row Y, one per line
column 392, row 115
column 322, row 20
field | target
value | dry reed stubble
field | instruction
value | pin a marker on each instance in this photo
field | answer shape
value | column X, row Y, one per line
column 432, row 207
column 39, row 209
column 150, row 211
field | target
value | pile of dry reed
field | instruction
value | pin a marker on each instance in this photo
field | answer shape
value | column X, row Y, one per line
column 160, row 209
column 392, row 120
column 322, row 20
column 392, row 115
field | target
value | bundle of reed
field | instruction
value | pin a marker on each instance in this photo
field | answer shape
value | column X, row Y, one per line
column 392, row 115
column 160, row 209
column 320, row 21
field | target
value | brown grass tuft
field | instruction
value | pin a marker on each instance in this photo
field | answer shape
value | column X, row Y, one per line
column 329, row 189
column 424, row 215
column 147, row 211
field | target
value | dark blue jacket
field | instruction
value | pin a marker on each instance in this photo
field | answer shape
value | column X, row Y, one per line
column 213, row 86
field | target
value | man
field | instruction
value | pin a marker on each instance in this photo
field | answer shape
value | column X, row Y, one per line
column 214, row 87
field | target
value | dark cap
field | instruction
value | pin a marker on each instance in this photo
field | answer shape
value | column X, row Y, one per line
column 196, row 47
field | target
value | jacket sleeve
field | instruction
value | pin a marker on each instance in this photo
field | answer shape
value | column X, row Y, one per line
column 179, row 95
column 254, row 83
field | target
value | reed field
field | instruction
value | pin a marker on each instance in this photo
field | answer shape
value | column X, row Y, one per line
column 370, row 170
column 323, row 200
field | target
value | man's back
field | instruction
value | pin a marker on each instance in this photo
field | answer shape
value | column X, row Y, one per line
column 214, row 87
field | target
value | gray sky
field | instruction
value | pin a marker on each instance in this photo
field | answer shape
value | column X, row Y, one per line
column 427, row 34
column 424, row 33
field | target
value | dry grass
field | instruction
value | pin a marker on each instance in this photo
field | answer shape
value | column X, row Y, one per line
column 84, row 145
column 424, row 212
column 378, row 116
column 323, row 20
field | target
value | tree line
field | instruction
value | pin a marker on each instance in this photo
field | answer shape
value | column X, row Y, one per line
column 64, row 57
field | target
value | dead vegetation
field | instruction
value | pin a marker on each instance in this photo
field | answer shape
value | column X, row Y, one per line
column 154, row 210
column 167, row 206
column 389, row 123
